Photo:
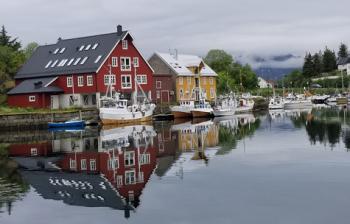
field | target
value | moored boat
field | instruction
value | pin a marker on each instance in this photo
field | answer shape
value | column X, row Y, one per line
column 225, row 107
column 202, row 109
column 245, row 104
column 276, row 103
column 67, row 124
column 182, row 110
column 297, row 102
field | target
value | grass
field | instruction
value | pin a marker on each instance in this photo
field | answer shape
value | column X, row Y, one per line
column 19, row 110
column 279, row 91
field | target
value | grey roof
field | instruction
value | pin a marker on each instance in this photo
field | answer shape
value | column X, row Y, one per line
column 35, row 66
column 343, row 61
column 39, row 85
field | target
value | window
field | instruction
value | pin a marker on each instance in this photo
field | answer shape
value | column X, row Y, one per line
column 136, row 62
column 129, row 177
column 212, row 93
column 95, row 46
column 158, row 94
column 55, row 52
column 33, row 151
column 119, row 180
column 81, row 47
column 70, row 62
column 141, row 79
column 76, row 61
column 125, row 64
column 204, row 80
column 113, row 164
column 129, row 158
column 145, row 159
column 48, row 64
column 109, row 80
column 84, row 60
column 92, row 164
column 126, row 82
column 69, row 81
column 80, row 80
column 87, row 47
column 181, row 93
column 86, row 99
column 98, row 59
column 90, row 80
column 83, row 164
column 62, row 50
column 72, row 164
column 158, row 84
column 181, row 81
column 124, row 44
column 62, row 62
column 53, row 64
column 211, row 81
column 114, row 62
column 31, row 98
column 189, row 80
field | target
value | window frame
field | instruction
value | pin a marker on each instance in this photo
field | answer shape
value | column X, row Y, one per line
column 128, row 180
column 129, row 159
column 211, row 80
column 158, row 86
column 189, row 80
column 122, row 83
column 181, row 81
column 124, row 44
column 136, row 62
column 123, row 66
column 83, row 164
column 142, row 78
column 114, row 62
column 81, row 80
column 32, row 98
column 89, row 80
column 92, row 161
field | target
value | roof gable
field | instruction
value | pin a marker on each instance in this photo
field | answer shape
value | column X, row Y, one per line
column 76, row 55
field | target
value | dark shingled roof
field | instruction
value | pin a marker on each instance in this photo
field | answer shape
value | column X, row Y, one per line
column 40, row 85
column 35, row 66
column 343, row 61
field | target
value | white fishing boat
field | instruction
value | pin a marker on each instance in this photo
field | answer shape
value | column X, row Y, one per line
column 276, row 103
column 245, row 104
column 182, row 110
column 297, row 102
column 117, row 111
column 225, row 107
column 202, row 109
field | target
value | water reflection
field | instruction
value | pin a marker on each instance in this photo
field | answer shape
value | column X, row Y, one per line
column 111, row 167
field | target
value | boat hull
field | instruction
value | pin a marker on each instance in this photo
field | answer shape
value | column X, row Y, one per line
column 243, row 109
column 220, row 113
column 107, row 121
column 199, row 113
column 110, row 116
column 297, row 105
column 181, row 114
column 69, row 124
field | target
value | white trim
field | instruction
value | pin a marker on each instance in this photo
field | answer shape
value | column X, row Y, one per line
column 32, row 98
column 80, row 80
column 121, row 64
column 69, row 77
column 87, row 80
column 121, row 83
column 49, row 83
column 115, row 59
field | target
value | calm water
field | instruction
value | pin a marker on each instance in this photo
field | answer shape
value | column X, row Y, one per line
column 280, row 167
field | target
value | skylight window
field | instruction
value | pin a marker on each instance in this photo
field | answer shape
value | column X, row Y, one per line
column 95, row 46
column 70, row 61
column 83, row 61
column 98, row 58
column 62, row 50
column 55, row 52
column 62, row 62
column 81, row 47
column 53, row 64
column 77, row 61
column 88, row 47
column 48, row 64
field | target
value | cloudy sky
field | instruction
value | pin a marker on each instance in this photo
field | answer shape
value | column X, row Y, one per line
column 241, row 27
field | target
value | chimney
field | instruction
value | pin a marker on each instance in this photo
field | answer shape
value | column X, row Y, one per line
column 119, row 30
column 59, row 39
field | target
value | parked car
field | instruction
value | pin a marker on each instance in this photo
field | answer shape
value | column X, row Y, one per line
column 315, row 85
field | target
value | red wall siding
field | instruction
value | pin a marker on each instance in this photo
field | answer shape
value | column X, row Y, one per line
column 41, row 100
column 167, row 86
column 143, row 69
column 43, row 149
column 62, row 83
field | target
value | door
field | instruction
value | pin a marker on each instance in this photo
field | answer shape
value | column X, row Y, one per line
column 165, row 96
column 55, row 102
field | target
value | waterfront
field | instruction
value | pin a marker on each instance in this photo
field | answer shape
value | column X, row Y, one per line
column 277, row 167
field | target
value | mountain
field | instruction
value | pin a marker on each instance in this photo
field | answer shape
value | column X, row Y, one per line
column 272, row 67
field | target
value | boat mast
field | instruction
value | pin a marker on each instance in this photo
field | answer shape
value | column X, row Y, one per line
column 135, row 83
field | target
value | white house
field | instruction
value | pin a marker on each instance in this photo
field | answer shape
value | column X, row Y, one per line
column 263, row 83
column 344, row 65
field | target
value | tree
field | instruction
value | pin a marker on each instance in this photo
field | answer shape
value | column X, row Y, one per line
column 6, row 40
column 308, row 67
column 329, row 60
column 219, row 60
column 317, row 64
column 29, row 49
column 343, row 51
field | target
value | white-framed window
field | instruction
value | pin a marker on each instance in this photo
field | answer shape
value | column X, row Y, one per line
column 158, row 84
column 189, row 80
column 212, row 93
column 89, row 80
column 181, row 81
column 129, row 158
column 109, row 79
column 141, row 79
column 130, row 177
column 126, row 82
column 80, row 80
column 72, row 164
column 158, row 94
column 125, row 64
column 32, row 98
column 145, row 158
column 114, row 61
column 92, row 164
column 119, row 180
column 125, row 44
column 83, row 165
column 136, row 62
column 211, row 80
column 204, row 79
column 113, row 164
column 70, row 81
column 33, row 151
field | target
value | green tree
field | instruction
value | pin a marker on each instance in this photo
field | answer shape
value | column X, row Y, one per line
column 29, row 49
column 343, row 51
column 6, row 40
column 329, row 60
column 317, row 64
column 219, row 60
column 308, row 67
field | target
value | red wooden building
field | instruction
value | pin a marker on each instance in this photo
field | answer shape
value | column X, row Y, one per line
column 77, row 71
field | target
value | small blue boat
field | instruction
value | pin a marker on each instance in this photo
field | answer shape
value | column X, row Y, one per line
column 67, row 124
